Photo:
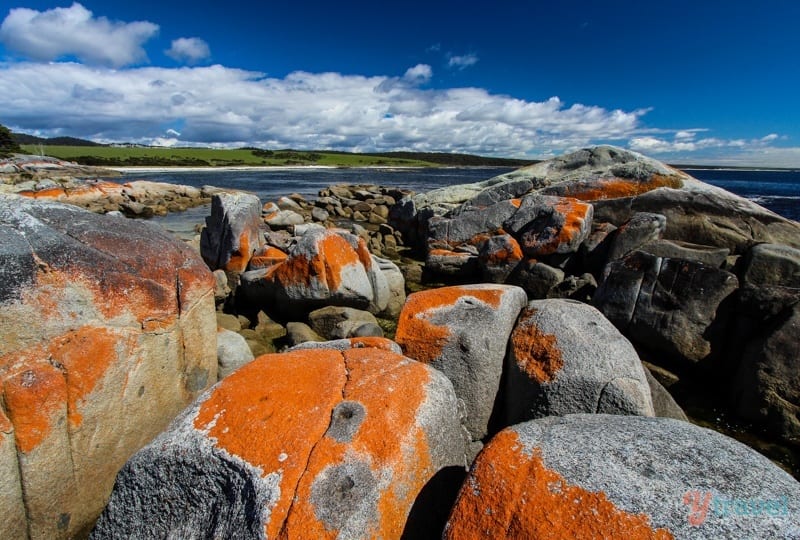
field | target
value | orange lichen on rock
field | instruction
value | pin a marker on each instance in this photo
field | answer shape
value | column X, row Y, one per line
column 516, row 202
column 34, row 399
column 83, row 358
column 270, row 256
column 575, row 222
column 511, row 493
column 272, row 412
column 423, row 340
column 364, row 255
column 536, row 353
column 333, row 254
column 86, row 355
column 48, row 193
column 510, row 254
column 447, row 253
column 241, row 256
column 614, row 188
column 389, row 389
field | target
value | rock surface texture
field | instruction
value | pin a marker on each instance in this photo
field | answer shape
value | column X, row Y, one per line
column 232, row 233
column 564, row 358
column 107, row 331
column 325, row 267
column 601, row 476
column 307, row 444
column 463, row 332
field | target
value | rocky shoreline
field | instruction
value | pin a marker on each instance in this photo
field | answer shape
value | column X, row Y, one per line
column 508, row 336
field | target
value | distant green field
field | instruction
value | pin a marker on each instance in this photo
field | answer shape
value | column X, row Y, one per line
column 209, row 157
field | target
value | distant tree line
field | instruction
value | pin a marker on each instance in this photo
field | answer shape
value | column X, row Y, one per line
column 24, row 138
column 454, row 160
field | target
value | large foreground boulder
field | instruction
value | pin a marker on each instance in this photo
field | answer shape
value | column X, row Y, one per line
column 107, row 331
column 463, row 331
column 602, row 476
column 564, row 358
column 306, row 444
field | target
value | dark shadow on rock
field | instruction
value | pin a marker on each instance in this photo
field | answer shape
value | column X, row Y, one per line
column 432, row 507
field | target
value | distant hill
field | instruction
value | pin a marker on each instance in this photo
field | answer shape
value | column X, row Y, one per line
column 24, row 138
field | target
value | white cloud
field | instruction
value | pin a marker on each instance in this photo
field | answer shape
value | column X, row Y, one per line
column 74, row 31
column 419, row 74
column 686, row 148
column 462, row 62
column 226, row 106
column 189, row 50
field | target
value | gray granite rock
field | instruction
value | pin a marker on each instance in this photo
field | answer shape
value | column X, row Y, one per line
column 232, row 232
column 666, row 305
column 232, row 352
column 565, row 357
column 463, row 332
column 619, row 476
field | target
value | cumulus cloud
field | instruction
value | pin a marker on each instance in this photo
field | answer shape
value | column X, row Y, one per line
column 419, row 74
column 220, row 105
column 75, row 32
column 190, row 50
column 462, row 62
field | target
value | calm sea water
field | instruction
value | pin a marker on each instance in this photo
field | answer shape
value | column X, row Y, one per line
column 777, row 190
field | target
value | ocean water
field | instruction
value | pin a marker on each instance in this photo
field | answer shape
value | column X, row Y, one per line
column 778, row 191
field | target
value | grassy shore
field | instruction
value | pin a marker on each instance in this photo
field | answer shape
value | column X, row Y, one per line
column 211, row 157
column 145, row 156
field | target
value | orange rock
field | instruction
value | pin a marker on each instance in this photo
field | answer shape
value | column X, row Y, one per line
column 338, row 443
column 266, row 257
column 323, row 268
column 510, row 493
column 463, row 331
column 107, row 332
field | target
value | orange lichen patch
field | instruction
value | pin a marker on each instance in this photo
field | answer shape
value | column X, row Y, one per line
column 34, row 400
column 511, row 253
column 423, row 340
column 372, row 342
column 575, row 214
column 391, row 390
column 536, row 353
column 446, row 253
column 241, row 256
column 516, row 202
column 614, row 188
column 334, row 253
column 112, row 293
column 86, row 355
column 512, row 494
column 49, row 193
column 5, row 424
column 266, row 258
column 363, row 254
column 272, row 412
column 194, row 281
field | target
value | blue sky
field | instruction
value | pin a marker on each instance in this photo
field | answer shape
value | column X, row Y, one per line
column 705, row 81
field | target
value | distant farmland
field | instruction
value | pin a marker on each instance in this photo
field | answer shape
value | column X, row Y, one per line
column 210, row 157
column 133, row 156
